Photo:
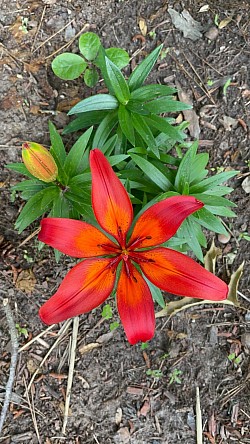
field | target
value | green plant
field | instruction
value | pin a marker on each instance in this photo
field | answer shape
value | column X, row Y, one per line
column 69, row 66
column 66, row 196
column 131, row 110
column 235, row 360
column 107, row 313
column 186, row 175
column 174, row 377
column 154, row 373
column 22, row 331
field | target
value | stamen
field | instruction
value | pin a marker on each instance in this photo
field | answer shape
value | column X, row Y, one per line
column 109, row 247
column 138, row 257
column 138, row 241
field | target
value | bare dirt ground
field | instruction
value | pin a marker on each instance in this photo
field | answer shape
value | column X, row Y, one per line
column 113, row 399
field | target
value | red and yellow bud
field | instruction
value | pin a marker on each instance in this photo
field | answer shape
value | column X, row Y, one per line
column 39, row 162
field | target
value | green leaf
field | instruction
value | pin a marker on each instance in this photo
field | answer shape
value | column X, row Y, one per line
column 209, row 221
column 48, row 197
column 187, row 231
column 184, row 171
column 118, row 82
column 57, row 146
column 68, row 66
column 164, row 126
column 156, row 293
column 212, row 181
column 219, row 191
column 117, row 158
column 30, row 184
column 98, row 102
column 32, row 210
column 81, row 204
column 142, row 71
column 109, row 145
column 164, row 105
column 126, row 124
column 152, row 172
column 91, row 77
column 19, row 168
column 81, row 180
column 145, row 132
column 100, row 62
column 137, row 107
column 198, row 171
column 220, row 211
column 118, row 56
column 104, row 129
column 73, row 163
column 58, row 152
column 84, row 121
column 89, row 44
column 61, row 207
column 216, row 201
column 149, row 92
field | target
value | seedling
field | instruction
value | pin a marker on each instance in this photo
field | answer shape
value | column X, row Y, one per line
column 144, row 345
column 22, row 331
column 107, row 312
column 227, row 84
column 174, row 377
column 154, row 373
column 235, row 360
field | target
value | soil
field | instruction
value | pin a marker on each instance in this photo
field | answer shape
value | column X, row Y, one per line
column 114, row 399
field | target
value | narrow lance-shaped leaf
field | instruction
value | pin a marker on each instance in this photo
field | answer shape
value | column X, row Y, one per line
column 145, row 132
column 126, row 124
column 163, row 126
column 85, row 120
column 165, row 105
column 20, row 168
column 185, row 167
column 73, row 162
column 149, row 92
column 209, row 221
column 104, row 129
column 187, row 232
column 98, row 102
column 118, row 82
column 32, row 210
column 213, row 181
column 142, row 71
column 58, row 151
column 152, row 172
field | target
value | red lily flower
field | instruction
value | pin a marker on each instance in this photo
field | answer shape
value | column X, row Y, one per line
column 91, row 281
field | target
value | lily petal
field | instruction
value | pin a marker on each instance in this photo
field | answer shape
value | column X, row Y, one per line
column 75, row 238
column 85, row 287
column 161, row 221
column 135, row 305
column 110, row 200
column 179, row 274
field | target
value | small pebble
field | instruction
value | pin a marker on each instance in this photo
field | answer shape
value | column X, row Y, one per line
column 223, row 239
column 245, row 340
column 246, row 184
column 212, row 33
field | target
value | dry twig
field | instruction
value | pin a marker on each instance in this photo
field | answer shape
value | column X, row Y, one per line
column 13, row 362
column 198, row 417
column 71, row 372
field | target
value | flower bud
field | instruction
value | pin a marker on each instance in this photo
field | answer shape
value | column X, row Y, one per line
column 39, row 162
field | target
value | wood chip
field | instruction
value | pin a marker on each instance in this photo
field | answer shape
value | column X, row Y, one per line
column 88, row 347
column 137, row 391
